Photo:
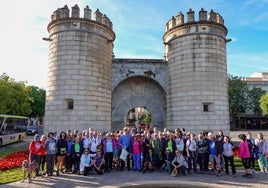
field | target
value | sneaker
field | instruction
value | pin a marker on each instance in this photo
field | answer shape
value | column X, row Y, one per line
column 234, row 175
column 212, row 173
column 245, row 175
column 249, row 175
column 218, row 174
column 253, row 171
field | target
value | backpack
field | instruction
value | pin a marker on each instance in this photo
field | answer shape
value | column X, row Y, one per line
column 250, row 147
column 256, row 152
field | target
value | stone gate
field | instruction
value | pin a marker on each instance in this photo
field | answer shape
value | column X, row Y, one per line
column 138, row 83
column 88, row 87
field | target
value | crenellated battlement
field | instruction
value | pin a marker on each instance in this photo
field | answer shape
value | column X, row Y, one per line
column 178, row 20
column 64, row 12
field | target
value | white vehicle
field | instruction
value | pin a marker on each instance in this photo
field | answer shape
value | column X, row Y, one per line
column 12, row 128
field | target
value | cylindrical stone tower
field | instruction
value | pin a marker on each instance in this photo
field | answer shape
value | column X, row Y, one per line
column 197, row 95
column 78, row 94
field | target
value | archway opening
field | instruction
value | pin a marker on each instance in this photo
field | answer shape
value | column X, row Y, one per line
column 139, row 118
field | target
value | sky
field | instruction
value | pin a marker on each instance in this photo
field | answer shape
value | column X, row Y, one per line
column 139, row 26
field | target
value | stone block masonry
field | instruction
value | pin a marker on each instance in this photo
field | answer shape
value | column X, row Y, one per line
column 88, row 87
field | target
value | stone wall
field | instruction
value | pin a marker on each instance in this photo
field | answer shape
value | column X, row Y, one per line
column 88, row 88
column 80, row 71
column 197, row 97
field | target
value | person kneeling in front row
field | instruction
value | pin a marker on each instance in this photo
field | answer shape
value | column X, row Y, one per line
column 86, row 163
column 179, row 163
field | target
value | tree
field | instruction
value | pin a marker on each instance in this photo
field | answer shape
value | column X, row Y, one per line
column 37, row 103
column 14, row 97
column 264, row 103
column 146, row 118
column 237, row 90
column 254, row 96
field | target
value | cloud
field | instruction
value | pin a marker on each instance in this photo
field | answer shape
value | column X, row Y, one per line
column 244, row 64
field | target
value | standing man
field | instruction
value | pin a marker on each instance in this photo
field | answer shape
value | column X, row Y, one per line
column 156, row 147
column 125, row 142
column 51, row 148
column 215, row 151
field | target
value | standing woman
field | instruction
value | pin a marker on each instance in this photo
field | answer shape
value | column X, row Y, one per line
column 34, row 156
column 244, row 155
column 51, row 149
column 136, row 153
column 251, row 140
column 108, row 152
column 263, row 152
column 61, row 153
column 43, row 154
column 228, row 155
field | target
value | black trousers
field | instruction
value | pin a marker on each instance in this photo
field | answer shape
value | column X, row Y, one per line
column 226, row 161
column 108, row 160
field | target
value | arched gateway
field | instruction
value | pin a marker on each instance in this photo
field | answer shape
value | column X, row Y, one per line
column 138, row 91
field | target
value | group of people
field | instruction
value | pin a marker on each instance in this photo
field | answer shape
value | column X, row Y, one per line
column 151, row 150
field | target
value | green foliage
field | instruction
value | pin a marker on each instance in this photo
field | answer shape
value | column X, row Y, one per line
column 264, row 104
column 10, row 176
column 18, row 99
column 14, row 97
column 239, row 165
column 9, row 151
column 38, row 103
column 254, row 96
column 237, row 90
column 146, row 118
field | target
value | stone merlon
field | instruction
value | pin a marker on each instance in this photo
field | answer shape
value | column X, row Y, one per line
column 64, row 12
column 212, row 17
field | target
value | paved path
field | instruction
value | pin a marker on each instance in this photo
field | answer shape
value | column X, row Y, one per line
column 126, row 178
column 116, row 179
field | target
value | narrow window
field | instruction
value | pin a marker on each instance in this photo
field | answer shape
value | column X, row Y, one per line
column 205, row 107
column 70, row 104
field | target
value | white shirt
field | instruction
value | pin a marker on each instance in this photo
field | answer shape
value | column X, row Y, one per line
column 86, row 142
column 191, row 145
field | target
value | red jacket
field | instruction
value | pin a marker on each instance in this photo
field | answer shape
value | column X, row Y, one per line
column 43, row 150
column 35, row 147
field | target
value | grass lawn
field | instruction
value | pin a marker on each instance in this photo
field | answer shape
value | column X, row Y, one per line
column 8, row 151
column 11, row 175
column 238, row 164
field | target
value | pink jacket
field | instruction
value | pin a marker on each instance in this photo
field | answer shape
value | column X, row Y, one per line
column 243, row 150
